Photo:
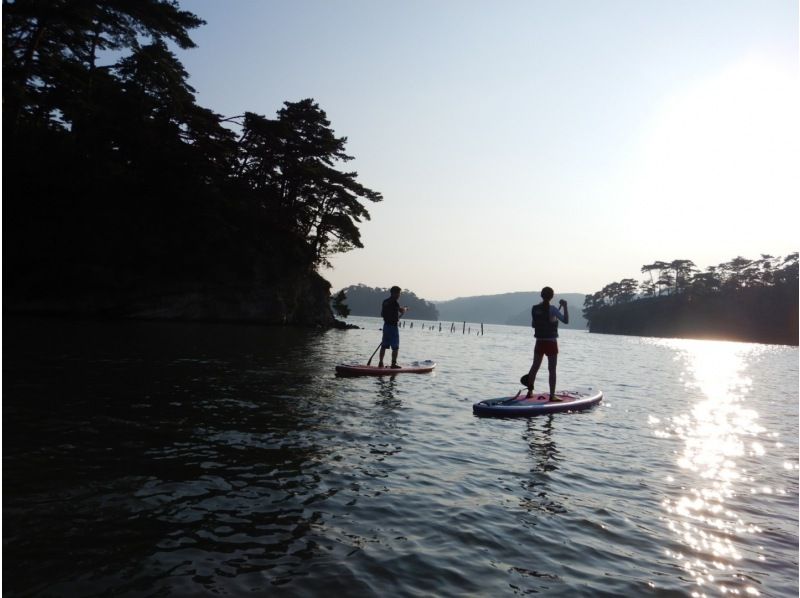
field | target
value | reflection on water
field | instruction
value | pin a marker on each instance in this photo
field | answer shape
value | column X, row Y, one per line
column 537, row 494
column 179, row 459
column 718, row 429
column 539, row 436
column 387, row 389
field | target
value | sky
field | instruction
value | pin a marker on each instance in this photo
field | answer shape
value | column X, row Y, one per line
column 519, row 144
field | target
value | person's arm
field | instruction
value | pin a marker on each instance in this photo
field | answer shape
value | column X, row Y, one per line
column 563, row 304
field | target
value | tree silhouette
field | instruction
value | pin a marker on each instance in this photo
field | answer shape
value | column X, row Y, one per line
column 649, row 288
column 288, row 164
column 119, row 184
column 718, row 303
column 734, row 273
column 704, row 283
column 50, row 50
column 683, row 270
column 665, row 281
column 340, row 305
column 627, row 289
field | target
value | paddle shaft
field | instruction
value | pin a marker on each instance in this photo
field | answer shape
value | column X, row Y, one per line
column 369, row 361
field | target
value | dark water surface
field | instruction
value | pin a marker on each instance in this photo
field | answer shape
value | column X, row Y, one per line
column 174, row 459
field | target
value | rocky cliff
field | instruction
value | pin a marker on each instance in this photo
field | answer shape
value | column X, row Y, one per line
column 301, row 299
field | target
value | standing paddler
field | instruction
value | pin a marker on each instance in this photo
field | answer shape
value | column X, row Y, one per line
column 545, row 319
column 391, row 312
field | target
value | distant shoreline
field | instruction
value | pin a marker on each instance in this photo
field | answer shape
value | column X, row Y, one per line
column 767, row 316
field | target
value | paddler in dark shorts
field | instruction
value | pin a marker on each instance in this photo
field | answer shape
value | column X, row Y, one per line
column 545, row 319
column 391, row 312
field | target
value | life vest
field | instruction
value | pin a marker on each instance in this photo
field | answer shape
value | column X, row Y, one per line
column 390, row 311
column 544, row 328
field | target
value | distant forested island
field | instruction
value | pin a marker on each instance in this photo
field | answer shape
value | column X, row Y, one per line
column 508, row 308
column 753, row 300
column 361, row 300
column 504, row 308
column 122, row 196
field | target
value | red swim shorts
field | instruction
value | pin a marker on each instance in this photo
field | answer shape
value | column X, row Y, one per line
column 548, row 348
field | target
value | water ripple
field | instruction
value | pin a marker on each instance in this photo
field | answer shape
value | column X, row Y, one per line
column 210, row 459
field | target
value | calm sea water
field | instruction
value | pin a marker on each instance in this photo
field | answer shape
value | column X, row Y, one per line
column 175, row 459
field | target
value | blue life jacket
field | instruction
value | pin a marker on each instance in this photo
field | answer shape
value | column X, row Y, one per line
column 540, row 316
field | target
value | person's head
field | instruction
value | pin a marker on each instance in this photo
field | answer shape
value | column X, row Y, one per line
column 395, row 291
column 547, row 294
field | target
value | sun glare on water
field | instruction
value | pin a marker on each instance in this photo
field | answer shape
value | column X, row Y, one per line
column 717, row 432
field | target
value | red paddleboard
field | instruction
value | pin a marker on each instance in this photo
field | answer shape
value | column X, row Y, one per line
column 354, row 369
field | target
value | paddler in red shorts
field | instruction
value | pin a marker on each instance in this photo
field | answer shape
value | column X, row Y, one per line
column 545, row 319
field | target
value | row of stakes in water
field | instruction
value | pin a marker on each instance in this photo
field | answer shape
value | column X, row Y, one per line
column 464, row 329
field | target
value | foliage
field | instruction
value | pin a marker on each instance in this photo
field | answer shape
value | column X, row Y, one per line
column 339, row 304
column 115, row 178
column 366, row 301
column 287, row 164
column 720, row 301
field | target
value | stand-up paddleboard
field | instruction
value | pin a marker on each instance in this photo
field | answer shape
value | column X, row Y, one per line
column 355, row 369
column 539, row 403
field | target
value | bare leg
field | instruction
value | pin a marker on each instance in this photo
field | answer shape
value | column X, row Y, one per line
column 537, row 361
column 552, row 360
column 394, row 356
column 380, row 357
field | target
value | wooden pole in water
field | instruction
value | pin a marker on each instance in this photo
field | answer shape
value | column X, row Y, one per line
column 481, row 328
column 463, row 327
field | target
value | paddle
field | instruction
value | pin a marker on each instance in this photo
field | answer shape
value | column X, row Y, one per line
column 369, row 361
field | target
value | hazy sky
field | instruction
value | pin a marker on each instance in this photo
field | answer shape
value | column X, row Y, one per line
column 524, row 143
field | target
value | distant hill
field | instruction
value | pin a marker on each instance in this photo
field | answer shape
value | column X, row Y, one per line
column 508, row 308
column 366, row 301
